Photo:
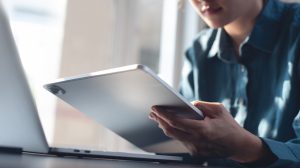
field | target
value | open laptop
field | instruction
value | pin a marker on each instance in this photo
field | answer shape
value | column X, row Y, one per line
column 20, row 127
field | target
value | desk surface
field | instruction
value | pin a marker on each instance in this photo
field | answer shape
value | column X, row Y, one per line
column 39, row 161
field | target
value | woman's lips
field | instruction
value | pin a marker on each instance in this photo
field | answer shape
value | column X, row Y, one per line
column 210, row 10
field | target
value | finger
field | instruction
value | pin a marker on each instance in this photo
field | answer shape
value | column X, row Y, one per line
column 152, row 116
column 172, row 132
column 186, row 125
column 210, row 109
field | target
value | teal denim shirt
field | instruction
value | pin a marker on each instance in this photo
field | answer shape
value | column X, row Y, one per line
column 261, row 87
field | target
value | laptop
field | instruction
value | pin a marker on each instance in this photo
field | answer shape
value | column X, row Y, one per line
column 20, row 126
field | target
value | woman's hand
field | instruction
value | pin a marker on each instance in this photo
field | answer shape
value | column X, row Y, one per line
column 217, row 135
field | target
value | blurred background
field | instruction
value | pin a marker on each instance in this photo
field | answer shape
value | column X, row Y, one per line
column 60, row 38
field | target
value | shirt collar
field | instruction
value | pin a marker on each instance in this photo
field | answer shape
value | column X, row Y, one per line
column 263, row 36
column 222, row 47
column 267, row 28
column 215, row 48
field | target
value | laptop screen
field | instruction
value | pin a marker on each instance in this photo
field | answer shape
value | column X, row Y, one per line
column 19, row 123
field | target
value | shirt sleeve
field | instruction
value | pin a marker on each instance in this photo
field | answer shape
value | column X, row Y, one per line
column 288, row 153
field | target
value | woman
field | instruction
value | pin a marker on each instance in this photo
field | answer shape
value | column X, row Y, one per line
column 248, row 62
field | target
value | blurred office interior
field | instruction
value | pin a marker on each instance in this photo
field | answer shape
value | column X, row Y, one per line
column 60, row 38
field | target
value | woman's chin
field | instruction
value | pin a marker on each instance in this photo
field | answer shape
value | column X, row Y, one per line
column 215, row 25
column 217, row 22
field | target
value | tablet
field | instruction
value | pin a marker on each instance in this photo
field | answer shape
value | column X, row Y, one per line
column 121, row 100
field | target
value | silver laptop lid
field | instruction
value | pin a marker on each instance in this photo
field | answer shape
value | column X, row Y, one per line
column 19, row 122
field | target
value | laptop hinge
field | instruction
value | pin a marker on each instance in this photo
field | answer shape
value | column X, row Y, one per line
column 10, row 149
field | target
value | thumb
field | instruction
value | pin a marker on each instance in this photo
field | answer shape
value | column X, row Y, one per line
column 209, row 109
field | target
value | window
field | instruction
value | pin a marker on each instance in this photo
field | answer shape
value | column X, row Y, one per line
column 59, row 38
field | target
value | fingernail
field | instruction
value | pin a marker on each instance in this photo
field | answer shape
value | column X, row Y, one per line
column 196, row 103
column 151, row 116
column 154, row 108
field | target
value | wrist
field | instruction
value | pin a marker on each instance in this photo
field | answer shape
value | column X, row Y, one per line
column 251, row 149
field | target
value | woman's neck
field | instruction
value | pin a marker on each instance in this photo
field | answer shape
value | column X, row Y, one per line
column 241, row 28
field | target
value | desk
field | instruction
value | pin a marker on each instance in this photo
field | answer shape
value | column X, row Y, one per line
column 42, row 161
